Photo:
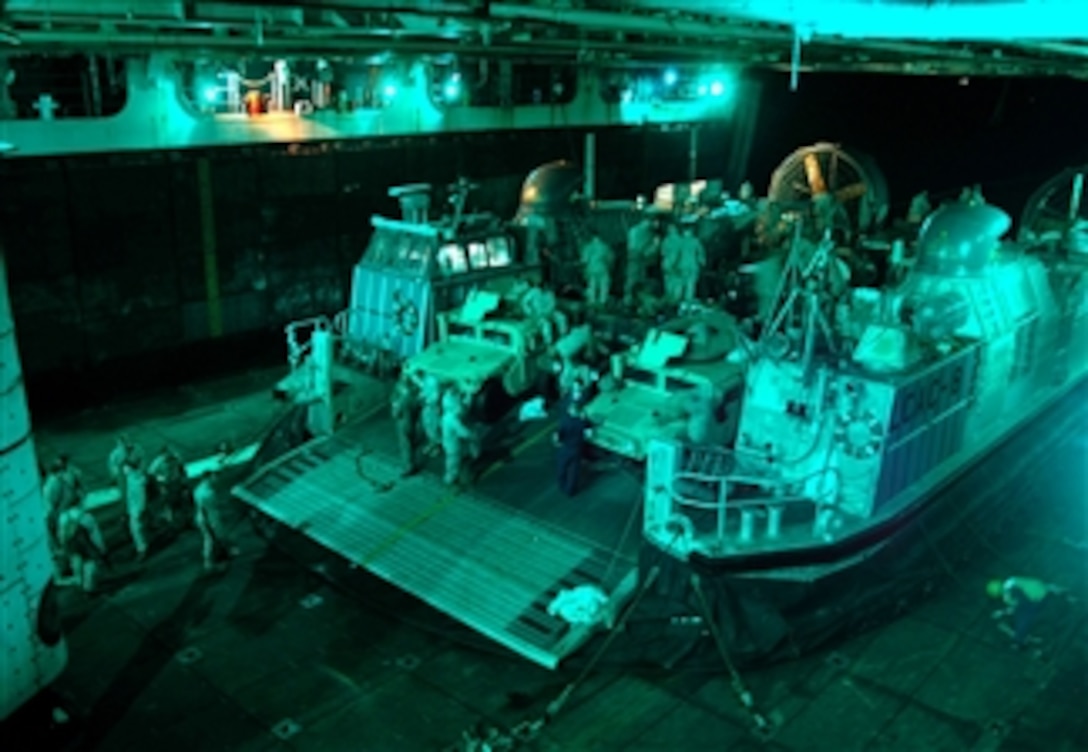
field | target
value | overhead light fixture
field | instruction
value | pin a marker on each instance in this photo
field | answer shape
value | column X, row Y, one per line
column 717, row 88
column 670, row 77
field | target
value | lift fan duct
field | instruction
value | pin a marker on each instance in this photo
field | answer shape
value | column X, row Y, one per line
column 1058, row 210
column 851, row 177
column 549, row 188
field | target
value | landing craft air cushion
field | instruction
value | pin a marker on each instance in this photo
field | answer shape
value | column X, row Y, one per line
column 856, row 410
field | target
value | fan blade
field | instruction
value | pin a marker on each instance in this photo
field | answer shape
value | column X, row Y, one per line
column 849, row 192
column 815, row 174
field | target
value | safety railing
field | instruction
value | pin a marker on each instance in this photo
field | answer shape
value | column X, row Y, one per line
column 697, row 498
column 298, row 338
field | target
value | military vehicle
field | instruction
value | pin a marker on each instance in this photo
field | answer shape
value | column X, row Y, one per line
column 492, row 346
column 683, row 376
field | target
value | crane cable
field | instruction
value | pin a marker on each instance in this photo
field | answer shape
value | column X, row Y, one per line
column 763, row 724
column 528, row 730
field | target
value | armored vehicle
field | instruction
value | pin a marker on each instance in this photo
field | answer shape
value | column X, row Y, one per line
column 491, row 342
column 684, row 377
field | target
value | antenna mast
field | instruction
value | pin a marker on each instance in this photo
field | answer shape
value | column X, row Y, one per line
column 799, row 315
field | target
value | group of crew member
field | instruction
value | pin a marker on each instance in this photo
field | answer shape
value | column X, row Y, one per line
column 429, row 418
column 159, row 494
column 680, row 256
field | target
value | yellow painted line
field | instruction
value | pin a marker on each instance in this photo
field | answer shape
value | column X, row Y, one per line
column 446, row 500
column 206, row 196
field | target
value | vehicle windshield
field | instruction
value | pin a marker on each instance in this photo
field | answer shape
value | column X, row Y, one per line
column 674, row 385
column 640, row 376
column 496, row 336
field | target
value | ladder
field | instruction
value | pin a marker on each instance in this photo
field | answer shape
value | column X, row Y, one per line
column 991, row 319
column 706, row 462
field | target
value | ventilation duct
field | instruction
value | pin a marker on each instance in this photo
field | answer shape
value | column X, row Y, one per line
column 950, row 20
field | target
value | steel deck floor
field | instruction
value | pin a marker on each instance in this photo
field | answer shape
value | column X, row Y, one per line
column 269, row 657
column 486, row 564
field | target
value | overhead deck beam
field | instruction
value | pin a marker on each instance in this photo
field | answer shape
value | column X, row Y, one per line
column 953, row 20
column 1038, row 38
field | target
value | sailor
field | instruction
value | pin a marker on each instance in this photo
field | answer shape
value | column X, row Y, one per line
column 769, row 227
column 826, row 208
column 1024, row 599
column 124, row 452
column 865, row 212
column 641, row 247
column 689, row 265
column 539, row 304
column 597, row 261
column 574, row 377
column 53, row 496
column 431, row 412
column 919, row 208
column 406, row 407
column 208, row 522
column 135, row 497
column 973, row 196
column 570, row 439
column 746, row 194
column 167, row 471
column 456, row 437
column 82, row 545
column 670, row 263
column 61, row 490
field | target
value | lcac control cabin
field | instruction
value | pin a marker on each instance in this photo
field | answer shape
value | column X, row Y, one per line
column 415, row 268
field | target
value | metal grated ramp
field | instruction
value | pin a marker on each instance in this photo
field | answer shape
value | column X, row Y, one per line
column 483, row 563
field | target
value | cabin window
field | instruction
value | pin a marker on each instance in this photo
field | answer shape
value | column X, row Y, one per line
column 382, row 248
column 477, row 255
column 498, row 251
column 454, row 329
column 640, row 376
column 414, row 253
column 451, row 259
column 497, row 337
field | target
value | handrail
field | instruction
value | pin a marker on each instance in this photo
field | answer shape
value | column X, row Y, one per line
column 743, row 503
column 296, row 350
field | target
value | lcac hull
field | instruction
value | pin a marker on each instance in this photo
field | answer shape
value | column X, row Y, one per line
column 766, row 613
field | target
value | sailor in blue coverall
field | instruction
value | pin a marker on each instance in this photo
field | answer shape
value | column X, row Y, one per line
column 570, row 438
column 1024, row 599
